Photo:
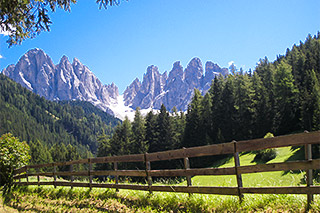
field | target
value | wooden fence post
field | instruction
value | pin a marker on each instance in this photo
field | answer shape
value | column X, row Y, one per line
column 38, row 177
column 89, row 173
column 308, row 155
column 54, row 175
column 27, row 171
column 186, row 167
column 71, row 177
column 148, row 168
column 115, row 167
column 236, row 165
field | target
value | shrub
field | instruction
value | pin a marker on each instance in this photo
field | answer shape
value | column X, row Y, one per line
column 13, row 154
column 266, row 155
column 263, row 156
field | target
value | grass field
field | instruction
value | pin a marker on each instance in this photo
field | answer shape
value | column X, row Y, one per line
column 63, row 199
column 255, row 179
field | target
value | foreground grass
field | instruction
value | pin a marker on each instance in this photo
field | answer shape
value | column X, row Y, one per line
column 64, row 199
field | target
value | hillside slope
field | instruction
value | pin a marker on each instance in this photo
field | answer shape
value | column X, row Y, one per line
column 31, row 118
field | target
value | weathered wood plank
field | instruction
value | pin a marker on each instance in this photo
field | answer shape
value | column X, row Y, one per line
column 75, row 173
column 37, row 166
column 192, row 189
column 142, row 173
column 180, row 189
column 20, row 176
column 124, row 158
column 33, row 183
column 66, row 163
column 197, row 189
column 280, row 141
column 20, row 170
column 295, row 165
column 282, row 190
column 135, row 173
column 192, row 172
column 217, row 149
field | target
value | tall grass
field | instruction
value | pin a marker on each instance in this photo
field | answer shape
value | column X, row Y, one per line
column 64, row 199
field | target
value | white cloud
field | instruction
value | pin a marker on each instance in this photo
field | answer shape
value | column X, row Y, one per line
column 1, row 56
column 230, row 63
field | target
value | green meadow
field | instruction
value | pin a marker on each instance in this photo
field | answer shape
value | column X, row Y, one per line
column 64, row 199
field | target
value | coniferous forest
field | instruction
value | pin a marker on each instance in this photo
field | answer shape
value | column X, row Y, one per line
column 281, row 97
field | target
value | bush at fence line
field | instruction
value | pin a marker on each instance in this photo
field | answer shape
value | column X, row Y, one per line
column 263, row 156
column 14, row 154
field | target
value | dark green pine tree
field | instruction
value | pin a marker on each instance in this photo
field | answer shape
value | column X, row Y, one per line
column 266, row 71
column 228, row 111
column 121, row 139
column 178, row 124
column 310, row 102
column 194, row 131
column 217, row 108
column 164, row 140
column 286, row 100
column 206, row 123
column 151, row 133
column 39, row 153
column 244, row 107
column 260, row 105
column 138, row 134
column 104, row 150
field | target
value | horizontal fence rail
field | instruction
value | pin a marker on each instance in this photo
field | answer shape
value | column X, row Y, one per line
column 309, row 164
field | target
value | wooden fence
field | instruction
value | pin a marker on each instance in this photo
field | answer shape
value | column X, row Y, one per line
column 306, row 139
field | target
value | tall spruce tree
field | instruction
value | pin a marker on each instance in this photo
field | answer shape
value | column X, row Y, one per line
column 228, row 125
column 206, row 123
column 138, row 133
column 151, row 132
column 194, row 130
column 217, row 108
column 244, row 107
column 178, row 125
column 286, row 96
column 310, row 102
column 121, row 139
column 164, row 140
column 260, row 100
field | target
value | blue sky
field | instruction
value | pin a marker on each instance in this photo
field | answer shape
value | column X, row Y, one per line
column 118, row 44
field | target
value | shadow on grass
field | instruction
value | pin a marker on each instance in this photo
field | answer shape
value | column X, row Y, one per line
column 296, row 156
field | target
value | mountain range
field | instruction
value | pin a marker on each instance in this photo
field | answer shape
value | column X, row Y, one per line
column 36, row 71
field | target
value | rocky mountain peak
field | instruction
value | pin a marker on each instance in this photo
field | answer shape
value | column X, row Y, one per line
column 176, row 72
column 131, row 92
column 64, row 81
column 194, row 73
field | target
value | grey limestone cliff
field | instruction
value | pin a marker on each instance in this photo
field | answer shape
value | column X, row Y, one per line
column 64, row 81
column 176, row 89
